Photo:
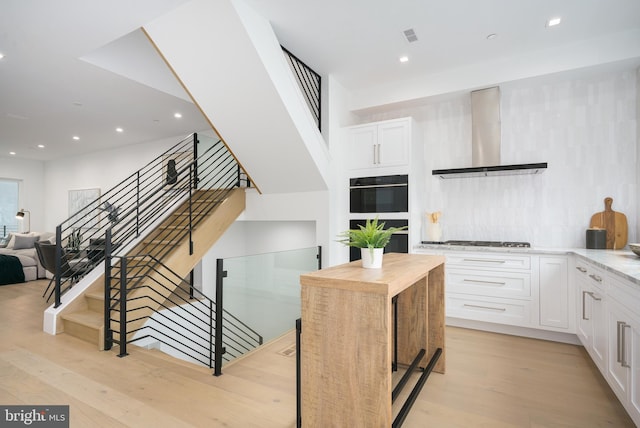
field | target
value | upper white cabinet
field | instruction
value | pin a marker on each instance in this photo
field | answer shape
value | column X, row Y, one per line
column 380, row 144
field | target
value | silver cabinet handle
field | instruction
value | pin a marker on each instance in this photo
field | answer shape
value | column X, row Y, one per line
column 485, row 307
column 621, row 345
column 477, row 281
column 595, row 277
column 484, row 260
column 375, row 159
column 593, row 296
column 624, row 346
column 619, row 342
column 581, row 269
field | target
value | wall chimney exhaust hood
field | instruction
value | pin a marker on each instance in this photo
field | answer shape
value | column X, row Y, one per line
column 485, row 141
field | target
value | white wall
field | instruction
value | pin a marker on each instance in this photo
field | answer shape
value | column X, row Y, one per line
column 101, row 170
column 30, row 173
column 582, row 123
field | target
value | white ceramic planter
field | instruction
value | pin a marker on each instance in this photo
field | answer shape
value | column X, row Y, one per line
column 371, row 259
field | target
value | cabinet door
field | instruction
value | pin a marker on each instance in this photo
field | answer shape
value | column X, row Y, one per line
column 634, row 393
column 618, row 367
column 554, row 292
column 584, row 324
column 363, row 151
column 393, row 143
column 599, row 322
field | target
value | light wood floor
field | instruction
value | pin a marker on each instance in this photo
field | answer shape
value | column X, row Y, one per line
column 491, row 381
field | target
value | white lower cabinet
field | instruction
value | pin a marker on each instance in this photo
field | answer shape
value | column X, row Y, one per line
column 556, row 302
column 491, row 287
column 591, row 324
column 623, row 368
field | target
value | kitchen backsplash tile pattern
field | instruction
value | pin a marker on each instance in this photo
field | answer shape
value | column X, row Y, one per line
column 584, row 125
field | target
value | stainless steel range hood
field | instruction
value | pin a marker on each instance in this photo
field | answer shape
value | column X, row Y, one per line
column 485, row 141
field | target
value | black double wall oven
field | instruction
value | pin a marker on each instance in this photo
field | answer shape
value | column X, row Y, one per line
column 379, row 196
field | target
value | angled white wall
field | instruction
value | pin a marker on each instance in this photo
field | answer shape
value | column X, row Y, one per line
column 231, row 63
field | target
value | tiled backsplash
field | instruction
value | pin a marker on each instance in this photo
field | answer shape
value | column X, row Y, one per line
column 583, row 125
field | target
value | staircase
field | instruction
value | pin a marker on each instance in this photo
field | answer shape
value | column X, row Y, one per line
column 86, row 320
column 152, row 230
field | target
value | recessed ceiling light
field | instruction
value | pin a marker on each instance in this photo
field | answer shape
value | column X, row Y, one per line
column 41, row 146
column 492, row 36
column 554, row 21
column 1, row 55
column 75, row 137
column 119, row 129
column 177, row 115
column 12, row 153
column 404, row 58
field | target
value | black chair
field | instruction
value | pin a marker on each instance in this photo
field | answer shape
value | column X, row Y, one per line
column 72, row 271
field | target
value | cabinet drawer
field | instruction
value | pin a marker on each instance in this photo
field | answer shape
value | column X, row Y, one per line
column 490, row 261
column 502, row 311
column 496, row 284
column 590, row 274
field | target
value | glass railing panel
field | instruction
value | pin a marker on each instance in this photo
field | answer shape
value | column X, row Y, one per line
column 264, row 290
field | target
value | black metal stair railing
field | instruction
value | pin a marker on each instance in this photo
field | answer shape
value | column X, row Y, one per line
column 309, row 82
column 183, row 319
column 130, row 209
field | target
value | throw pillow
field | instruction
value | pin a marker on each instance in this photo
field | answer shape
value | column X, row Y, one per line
column 23, row 242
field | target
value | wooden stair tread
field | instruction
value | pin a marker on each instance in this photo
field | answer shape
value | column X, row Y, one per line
column 87, row 318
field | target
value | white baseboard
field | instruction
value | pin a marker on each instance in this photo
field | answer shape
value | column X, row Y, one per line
column 515, row 331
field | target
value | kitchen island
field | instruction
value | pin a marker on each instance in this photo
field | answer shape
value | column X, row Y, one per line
column 347, row 341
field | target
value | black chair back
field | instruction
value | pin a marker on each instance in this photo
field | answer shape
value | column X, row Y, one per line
column 47, row 255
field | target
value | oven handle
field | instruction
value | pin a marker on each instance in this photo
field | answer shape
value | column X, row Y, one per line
column 378, row 186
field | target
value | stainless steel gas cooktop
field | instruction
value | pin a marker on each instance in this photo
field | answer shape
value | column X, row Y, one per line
column 508, row 244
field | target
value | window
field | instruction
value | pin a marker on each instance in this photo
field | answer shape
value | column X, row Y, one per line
column 8, row 206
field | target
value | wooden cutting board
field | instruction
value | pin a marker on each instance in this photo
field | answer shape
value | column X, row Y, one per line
column 614, row 222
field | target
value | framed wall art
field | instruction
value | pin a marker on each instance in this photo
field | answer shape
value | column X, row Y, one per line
column 82, row 203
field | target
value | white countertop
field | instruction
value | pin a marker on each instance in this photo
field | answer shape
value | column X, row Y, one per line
column 620, row 262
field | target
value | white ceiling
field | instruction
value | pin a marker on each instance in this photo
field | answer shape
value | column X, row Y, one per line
column 54, row 83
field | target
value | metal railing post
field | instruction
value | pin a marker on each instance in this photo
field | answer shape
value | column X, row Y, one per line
column 138, row 203
column 191, row 168
column 195, row 160
column 123, row 307
column 218, row 348
column 58, row 265
column 298, row 374
column 108, row 333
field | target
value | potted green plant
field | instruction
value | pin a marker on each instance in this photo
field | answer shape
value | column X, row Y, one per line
column 371, row 239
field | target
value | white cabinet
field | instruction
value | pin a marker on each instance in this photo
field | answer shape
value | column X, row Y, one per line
column 380, row 144
column 591, row 324
column 623, row 367
column 491, row 287
column 556, row 300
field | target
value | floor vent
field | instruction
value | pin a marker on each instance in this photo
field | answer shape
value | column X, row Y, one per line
column 289, row 351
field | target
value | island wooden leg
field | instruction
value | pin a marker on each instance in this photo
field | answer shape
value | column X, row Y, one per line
column 436, row 315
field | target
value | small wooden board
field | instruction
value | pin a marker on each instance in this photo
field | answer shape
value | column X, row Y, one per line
column 614, row 222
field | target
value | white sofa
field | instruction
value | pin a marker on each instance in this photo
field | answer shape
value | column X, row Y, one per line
column 21, row 245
